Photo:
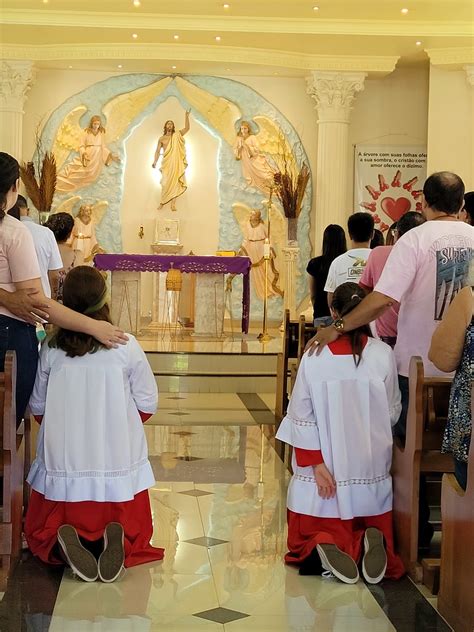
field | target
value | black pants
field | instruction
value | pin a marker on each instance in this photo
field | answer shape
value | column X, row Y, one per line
column 15, row 335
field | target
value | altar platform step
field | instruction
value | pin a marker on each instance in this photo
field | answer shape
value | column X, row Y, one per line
column 213, row 372
column 233, row 363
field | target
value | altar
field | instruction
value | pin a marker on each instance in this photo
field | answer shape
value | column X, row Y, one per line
column 209, row 301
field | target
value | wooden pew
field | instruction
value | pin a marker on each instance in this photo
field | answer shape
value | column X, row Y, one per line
column 427, row 412
column 12, row 471
column 456, row 593
column 290, row 350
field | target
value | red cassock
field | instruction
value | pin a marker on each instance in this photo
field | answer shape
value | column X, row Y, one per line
column 44, row 517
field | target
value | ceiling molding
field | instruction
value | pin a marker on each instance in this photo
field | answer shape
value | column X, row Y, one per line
column 197, row 52
column 234, row 24
column 454, row 57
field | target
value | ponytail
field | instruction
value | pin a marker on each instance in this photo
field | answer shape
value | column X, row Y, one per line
column 346, row 298
column 9, row 174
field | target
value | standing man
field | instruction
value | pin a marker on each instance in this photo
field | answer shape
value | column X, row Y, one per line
column 173, row 166
column 350, row 265
column 424, row 272
column 47, row 251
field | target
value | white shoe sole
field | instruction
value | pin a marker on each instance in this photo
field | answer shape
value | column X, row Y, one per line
column 329, row 567
column 377, row 540
column 114, row 549
column 73, row 542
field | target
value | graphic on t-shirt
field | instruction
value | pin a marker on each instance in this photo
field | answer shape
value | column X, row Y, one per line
column 453, row 256
column 357, row 268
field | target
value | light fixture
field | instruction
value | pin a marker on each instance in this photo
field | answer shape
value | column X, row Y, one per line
column 120, row 66
column 134, row 35
column 173, row 67
column 136, row 3
column 315, row 8
column 404, row 11
column 226, row 6
column 218, row 38
column 45, row 1
column 70, row 67
column 176, row 37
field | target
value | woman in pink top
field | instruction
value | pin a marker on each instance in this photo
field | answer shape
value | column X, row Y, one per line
column 22, row 302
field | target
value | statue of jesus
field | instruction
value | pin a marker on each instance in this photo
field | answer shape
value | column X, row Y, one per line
column 173, row 165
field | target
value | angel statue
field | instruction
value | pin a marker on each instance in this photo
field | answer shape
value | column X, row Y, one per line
column 255, row 167
column 255, row 233
column 89, row 216
column 173, row 165
column 93, row 155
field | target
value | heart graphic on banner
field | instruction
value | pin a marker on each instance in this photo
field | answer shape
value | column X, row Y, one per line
column 395, row 208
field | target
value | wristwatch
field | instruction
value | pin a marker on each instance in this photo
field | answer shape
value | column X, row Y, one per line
column 339, row 325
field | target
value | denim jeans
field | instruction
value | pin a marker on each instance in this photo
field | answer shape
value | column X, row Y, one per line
column 16, row 335
column 460, row 472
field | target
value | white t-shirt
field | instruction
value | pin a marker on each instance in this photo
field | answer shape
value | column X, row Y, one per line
column 347, row 267
column 18, row 260
column 425, row 270
column 47, row 251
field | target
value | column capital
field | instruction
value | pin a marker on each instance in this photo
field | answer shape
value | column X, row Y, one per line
column 16, row 79
column 470, row 74
column 334, row 93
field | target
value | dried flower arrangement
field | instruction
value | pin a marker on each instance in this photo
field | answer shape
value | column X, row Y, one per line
column 40, row 190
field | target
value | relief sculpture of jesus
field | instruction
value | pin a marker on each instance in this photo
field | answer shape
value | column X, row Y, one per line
column 173, row 165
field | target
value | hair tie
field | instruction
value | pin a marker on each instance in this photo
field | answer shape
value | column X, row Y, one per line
column 355, row 296
column 99, row 305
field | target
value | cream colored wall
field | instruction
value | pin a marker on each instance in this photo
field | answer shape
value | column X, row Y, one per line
column 198, row 207
column 392, row 110
column 451, row 124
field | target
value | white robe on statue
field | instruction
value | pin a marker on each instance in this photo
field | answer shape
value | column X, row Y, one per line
column 91, row 444
column 346, row 412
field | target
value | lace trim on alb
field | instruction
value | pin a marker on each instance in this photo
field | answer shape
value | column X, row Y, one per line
column 301, row 422
column 96, row 473
column 350, row 481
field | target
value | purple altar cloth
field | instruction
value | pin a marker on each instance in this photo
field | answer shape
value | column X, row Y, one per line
column 185, row 263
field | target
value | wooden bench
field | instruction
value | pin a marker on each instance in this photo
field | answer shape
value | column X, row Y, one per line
column 456, row 593
column 426, row 419
column 290, row 351
column 12, row 469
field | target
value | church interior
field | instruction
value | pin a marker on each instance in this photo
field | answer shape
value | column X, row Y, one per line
column 201, row 149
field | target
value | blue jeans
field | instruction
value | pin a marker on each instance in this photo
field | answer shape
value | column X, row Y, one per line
column 400, row 428
column 460, row 472
column 15, row 335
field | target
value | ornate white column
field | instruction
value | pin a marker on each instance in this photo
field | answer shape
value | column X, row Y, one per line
column 334, row 93
column 16, row 80
column 290, row 254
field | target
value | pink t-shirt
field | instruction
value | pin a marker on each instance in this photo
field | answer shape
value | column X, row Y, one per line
column 426, row 268
column 18, row 260
column 386, row 325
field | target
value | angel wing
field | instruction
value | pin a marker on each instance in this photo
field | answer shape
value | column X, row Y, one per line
column 241, row 213
column 273, row 142
column 221, row 113
column 68, row 136
column 122, row 109
column 278, row 233
column 98, row 211
column 66, row 206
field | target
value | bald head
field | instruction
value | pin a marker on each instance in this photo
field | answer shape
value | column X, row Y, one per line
column 444, row 192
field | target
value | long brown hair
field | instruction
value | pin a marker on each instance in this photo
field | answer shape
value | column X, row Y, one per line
column 346, row 297
column 9, row 174
column 85, row 292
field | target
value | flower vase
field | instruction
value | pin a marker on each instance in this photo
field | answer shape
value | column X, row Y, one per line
column 292, row 231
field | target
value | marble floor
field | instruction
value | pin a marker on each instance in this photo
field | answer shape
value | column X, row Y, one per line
column 219, row 512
